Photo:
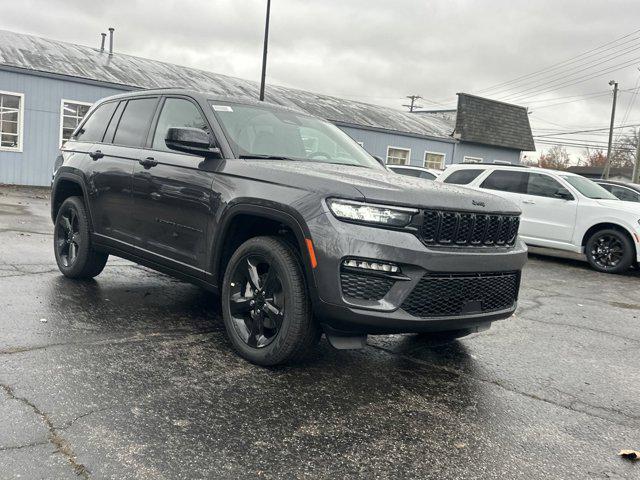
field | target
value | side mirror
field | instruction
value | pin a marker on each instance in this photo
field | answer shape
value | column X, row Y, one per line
column 191, row 140
column 563, row 194
column 380, row 161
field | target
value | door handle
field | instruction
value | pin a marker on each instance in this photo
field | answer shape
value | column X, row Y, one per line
column 96, row 155
column 148, row 162
column 529, row 202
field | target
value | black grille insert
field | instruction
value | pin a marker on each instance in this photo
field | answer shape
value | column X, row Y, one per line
column 447, row 228
column 363, row 286
column 449, row 294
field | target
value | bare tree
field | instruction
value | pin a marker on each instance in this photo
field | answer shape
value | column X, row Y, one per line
column 556, row 158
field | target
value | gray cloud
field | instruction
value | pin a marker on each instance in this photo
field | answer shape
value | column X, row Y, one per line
column 373, row 51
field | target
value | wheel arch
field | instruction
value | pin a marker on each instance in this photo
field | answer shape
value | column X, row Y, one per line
column 65, row 185
column 609, row 225
column 243, row 221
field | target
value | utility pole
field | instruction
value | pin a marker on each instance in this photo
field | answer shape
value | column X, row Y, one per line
column 264, row 51
column 636, row 166
column 607, row 165
column 413, row 99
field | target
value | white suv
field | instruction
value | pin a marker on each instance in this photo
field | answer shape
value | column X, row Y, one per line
column 562, row 210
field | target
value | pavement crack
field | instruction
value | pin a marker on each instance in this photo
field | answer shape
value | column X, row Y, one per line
column 610, row 415
column 581, row 327
column 26, row 445
column 62, row 446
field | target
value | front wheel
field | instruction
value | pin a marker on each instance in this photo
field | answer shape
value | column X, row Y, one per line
column 610, row 251
column 265, row 305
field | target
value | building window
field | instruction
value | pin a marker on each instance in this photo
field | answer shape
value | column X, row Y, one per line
column 434, row 160
column 472, row 160
column 71, row 114
column 398, row 156
column 11, row 121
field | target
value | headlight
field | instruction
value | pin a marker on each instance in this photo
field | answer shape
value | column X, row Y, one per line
column 369, row 213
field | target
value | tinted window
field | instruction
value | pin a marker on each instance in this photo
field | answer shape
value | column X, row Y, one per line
column 625, row 194
column 606, row 186
column 407, row 171
column 108, row 137
column 134, row 123
column 93, row 129
column 177, row 112
column 427, row 175
column 463, row 177
column 544, row 186
column 507, row 181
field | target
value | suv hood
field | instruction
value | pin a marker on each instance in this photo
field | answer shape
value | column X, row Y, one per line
column 627, row 207
column 375, row 186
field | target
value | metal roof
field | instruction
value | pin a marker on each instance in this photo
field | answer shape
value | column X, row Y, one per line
column 21, row 51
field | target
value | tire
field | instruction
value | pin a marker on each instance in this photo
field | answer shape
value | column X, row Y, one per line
column 278, row 327
column 75, row 255
column 610, row 251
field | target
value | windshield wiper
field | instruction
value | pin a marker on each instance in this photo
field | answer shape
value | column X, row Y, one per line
column 269, row 157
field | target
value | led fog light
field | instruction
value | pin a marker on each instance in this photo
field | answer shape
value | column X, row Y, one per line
column 368, row 265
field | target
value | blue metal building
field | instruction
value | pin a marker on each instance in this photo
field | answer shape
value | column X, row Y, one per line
column 46, row 86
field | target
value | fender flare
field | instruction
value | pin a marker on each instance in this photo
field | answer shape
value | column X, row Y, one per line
column 74, row 178
column 274, row 211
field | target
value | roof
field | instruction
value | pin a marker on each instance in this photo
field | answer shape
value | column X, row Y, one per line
column 476, row 122
column 21, row 51
column 597, row 171
column 494, row 166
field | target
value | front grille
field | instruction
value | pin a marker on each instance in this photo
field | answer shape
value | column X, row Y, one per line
column 446, row 228
column 449, row 294
column 363, row 286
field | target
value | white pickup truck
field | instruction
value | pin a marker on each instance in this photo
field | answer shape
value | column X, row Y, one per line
column 562, row 210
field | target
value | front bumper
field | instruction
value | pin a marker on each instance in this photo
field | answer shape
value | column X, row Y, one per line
column 335, row 240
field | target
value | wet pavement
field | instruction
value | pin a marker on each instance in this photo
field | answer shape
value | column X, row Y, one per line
column 131, row 376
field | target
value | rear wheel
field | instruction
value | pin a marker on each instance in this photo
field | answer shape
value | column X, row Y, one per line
column 610, row 251
column 265, row 305
column 75, row 255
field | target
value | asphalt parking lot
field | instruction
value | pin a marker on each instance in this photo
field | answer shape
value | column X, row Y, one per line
column 131, row 376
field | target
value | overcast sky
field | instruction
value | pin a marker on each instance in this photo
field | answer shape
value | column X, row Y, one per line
column 380, row 51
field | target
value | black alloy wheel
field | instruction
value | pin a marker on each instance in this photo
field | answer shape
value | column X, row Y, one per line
column 75, row 254
column 265, row 303
column 257, row 301
column 68, row 237
column 610, row 251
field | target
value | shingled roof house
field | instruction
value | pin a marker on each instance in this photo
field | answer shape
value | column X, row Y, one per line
column 47, row 86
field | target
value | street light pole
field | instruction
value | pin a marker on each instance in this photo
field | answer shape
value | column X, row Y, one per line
column 607, row 165
column 264, row 51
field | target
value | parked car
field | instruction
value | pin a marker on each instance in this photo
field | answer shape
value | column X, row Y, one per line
column 629, row 192
column 562, row 210
column 296, row 227
column 411, row 171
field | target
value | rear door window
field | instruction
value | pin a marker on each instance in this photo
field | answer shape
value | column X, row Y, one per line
column 624, row 193
column 463, row 177
column 93, row 129
column 507, row 181
column 407, row 171
column 135, row 121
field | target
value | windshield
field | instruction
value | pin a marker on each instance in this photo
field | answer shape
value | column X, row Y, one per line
column 588, row 188
column 255, row 131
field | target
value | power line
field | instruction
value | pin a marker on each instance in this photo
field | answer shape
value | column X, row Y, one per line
column 566, row 73
column 552, row 66
column 556, row 86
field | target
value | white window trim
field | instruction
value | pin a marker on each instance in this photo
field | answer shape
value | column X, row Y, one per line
column 62, row 102
column 408, row 150
column 469, row 159
column 444, row 159
column 19, row 148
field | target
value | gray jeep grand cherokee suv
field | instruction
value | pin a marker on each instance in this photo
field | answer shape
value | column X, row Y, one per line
column 297, row 228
